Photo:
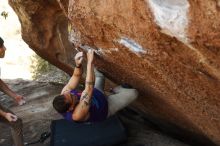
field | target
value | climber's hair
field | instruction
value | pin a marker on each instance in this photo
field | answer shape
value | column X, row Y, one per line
column 1, row 42
column 60, row 105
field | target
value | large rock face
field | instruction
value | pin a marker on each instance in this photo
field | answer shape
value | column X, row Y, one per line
column 167, row 49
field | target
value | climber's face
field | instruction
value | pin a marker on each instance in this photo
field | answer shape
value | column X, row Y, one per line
column 2, row 51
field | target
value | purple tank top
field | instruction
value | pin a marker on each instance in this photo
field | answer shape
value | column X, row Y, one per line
column 98, row 109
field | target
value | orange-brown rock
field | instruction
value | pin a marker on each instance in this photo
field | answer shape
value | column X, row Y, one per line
column 168, row 50
column 44, row 29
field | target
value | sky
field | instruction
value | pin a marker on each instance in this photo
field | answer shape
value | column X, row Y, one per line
column 16, row 63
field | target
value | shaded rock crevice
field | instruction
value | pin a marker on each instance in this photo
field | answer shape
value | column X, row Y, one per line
column 40, row 22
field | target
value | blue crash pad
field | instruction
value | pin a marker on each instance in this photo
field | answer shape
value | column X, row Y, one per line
column 107, row 133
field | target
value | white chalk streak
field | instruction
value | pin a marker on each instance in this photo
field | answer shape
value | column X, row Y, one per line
column 132, row 45
column 171, row 16
column 74, row 36
column 99, row 51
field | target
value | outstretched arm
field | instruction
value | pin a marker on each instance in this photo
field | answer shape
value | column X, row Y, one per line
column 81, row 112
column 4, row 88
column 77, row 74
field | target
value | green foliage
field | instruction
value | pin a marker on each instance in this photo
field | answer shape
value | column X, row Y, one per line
column 43, row 71
column 4, row 14
column 39, row 66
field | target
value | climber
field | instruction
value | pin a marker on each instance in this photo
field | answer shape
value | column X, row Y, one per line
column 91, row 105
column 6, row 116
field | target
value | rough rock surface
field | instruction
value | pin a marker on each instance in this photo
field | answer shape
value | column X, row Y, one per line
column 38, row 113
column 168, row 50
column 44, row 29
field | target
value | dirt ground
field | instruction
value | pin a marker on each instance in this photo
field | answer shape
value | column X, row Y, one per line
column 38, row 113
